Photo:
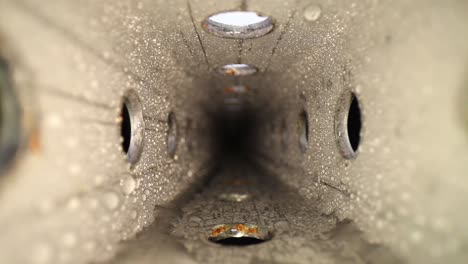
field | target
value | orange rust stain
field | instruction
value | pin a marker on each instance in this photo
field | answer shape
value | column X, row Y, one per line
column 240, row 227
column 218, row 231
column 252, row 230
column 230, row 72
column 229, row 90
column 34, row 143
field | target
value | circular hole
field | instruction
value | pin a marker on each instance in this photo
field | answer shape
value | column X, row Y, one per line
column 237, row 70
column 303, row 130
column 234, row 197
column 10, row 116
column 239, row 234
column 238, row 24
column 240, row 241
column 354, row 123
column 125, row 129
column 132, row 126
column 172, row 134
column 348, row 124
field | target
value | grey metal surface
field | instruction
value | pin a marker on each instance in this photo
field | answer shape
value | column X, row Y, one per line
column 73, row 197
column 301, row 233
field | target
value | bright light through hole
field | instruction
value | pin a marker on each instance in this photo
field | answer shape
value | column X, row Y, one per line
column 238, row 18
column 238, row 24
column 237, row 70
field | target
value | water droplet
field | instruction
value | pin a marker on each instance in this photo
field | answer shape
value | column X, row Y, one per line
column 69, row 240
column 416, row 236
column 111, row 200
column 138, row 181
column 195, row 219
column 89, row 246
column 133, row 214
column 75, row 169
column 54, row 120
column 46, row 206
column 93, row 203
column 312, row 12
column 380, row 224
column 98, row 180
column 42, row 254
column 73, row 204
column 128, row 185
column 282, row 226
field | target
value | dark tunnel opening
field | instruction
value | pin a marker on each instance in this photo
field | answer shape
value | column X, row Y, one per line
column 233, row 133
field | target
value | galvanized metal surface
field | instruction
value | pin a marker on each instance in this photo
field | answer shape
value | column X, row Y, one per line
column 73, row 197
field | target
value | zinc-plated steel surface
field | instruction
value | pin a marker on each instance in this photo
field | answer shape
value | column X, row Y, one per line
column 300, row 233
column 72, row 196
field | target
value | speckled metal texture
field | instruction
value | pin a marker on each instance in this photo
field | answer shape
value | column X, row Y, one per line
column 72, row 196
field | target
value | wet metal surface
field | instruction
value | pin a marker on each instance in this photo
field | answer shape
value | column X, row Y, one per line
column 296, row 232
column 73, row 198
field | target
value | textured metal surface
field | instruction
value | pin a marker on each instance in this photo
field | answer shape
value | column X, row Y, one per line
column 72, row 196
column 300, row 232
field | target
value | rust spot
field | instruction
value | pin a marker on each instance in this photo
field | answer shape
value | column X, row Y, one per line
column 223, row 232
column 34, row 143
column 229, row 90
column 238, row 89
column 231, row 72
column 240, row 227
column 217, row 231
column 252, row 230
